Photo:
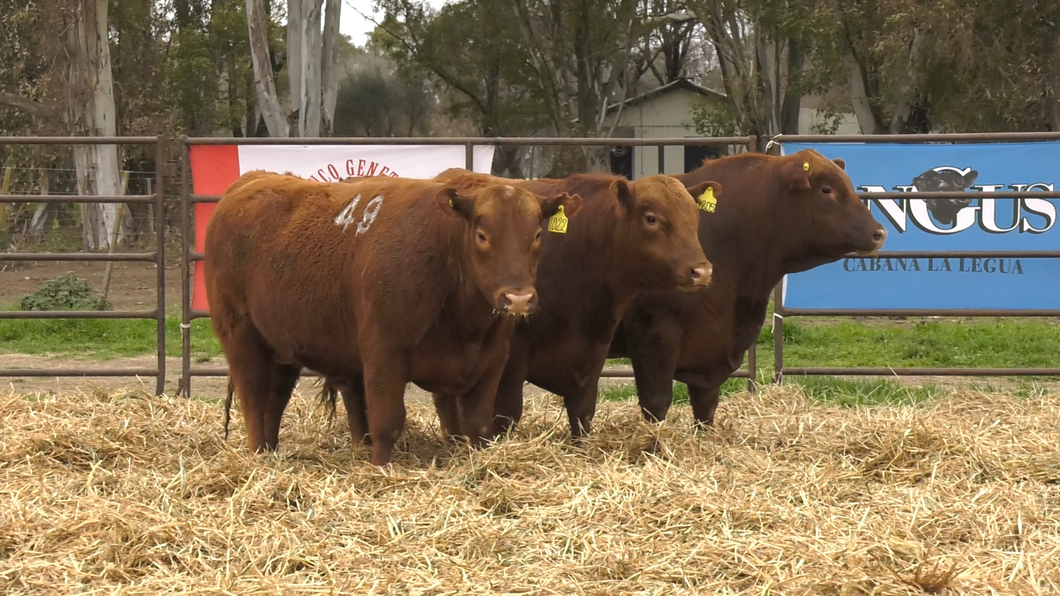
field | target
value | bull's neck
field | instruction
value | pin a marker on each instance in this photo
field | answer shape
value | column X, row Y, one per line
column 591, row 263
column 745, row 241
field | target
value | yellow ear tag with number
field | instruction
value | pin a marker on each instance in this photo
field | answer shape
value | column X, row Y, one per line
column 558, row 222
column 806, row 166
column 706, row 201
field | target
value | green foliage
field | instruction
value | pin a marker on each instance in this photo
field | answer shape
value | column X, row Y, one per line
column 374, row 103
column 68, row 292
column 714, row 119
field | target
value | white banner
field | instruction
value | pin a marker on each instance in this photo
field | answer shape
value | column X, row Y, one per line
column 332, row 163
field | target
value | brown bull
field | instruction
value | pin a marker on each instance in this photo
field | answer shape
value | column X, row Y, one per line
column 780, row 215
column 628, row 237
column 379, row 282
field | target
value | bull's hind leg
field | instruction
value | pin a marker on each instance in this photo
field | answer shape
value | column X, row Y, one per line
column 284, row 378
column 704, row 403
column 257, row 379
column 508, row 401
column 448, row 414
column 352, row 391
column 581, row 407
column 356, row 412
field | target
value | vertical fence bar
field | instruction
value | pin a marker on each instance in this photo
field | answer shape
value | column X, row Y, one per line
column 752, row 368
column 160, row 261
column 778, row 334
column 469, row 157
column 185, row 290
column 662, row 159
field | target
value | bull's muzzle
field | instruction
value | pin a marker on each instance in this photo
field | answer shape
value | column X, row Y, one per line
column 878, row 238
column 517, row 303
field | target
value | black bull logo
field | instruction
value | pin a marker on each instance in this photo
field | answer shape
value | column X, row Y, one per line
column 945, row 179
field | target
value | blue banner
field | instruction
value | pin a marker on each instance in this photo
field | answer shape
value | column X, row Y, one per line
column 1025, row 223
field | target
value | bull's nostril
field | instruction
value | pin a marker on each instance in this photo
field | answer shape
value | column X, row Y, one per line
column 879, row 236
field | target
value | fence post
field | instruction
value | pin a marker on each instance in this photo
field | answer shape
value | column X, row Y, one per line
column 114, row 237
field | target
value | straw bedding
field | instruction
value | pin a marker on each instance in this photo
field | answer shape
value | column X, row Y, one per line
column 132, row 494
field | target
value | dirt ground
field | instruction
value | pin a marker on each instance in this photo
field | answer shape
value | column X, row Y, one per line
column 132, row 285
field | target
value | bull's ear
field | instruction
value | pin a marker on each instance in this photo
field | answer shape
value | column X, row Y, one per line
column 702, row 187
column 796, row 171
column 969, row 178
column 570, row 203
column 625, row 194
column 839, row 162
column 451, row 202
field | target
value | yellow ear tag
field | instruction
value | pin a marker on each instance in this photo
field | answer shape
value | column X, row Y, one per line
column 706, row 201
column 806, row 166
column 558, row 222
column 451, row 206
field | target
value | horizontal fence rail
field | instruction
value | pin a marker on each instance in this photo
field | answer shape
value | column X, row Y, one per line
column 157, row 256
column 191, row 256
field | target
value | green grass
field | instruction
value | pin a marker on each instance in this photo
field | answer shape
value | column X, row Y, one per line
column 956, row 344
column 102, row 339
column 835, row 342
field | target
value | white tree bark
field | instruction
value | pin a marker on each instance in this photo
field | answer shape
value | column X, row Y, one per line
column 329, row 70
column 309, row 110
column 91, row 111
column 858, row 96
column 268, row 102
column 902, row 106
column 294, row 57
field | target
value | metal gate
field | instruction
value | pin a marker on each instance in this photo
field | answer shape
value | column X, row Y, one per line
column 157, row 256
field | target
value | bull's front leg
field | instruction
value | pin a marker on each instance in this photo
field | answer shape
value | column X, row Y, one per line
column 385, row 377
column 476, row 407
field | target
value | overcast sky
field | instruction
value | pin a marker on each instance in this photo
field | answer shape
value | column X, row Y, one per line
column 352, row 23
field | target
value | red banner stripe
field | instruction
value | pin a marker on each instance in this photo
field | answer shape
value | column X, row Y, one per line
column 213, row 169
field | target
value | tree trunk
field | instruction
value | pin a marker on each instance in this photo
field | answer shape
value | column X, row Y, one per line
column 268, row 103
column 902, row 111
column 294, row 57
column 309, row 108
column 92, row 111
column 330, row 68
column 858, row 96
column 789, row 120
column 44, row 214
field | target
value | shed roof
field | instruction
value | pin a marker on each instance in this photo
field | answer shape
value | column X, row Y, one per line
column 674, row 85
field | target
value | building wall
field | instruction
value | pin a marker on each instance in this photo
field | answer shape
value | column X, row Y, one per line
column 659, row 117
column 667, row 116
column 810, row 119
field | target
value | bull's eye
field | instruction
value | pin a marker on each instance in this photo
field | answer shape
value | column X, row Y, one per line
column 826, row 190
column 649, row 218
column 481, row 237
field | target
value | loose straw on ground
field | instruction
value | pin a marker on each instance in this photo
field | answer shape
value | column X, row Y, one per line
column 132, row 494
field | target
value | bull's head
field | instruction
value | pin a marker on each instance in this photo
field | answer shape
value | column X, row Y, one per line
column 660, row 239
column 823, row 203
column 502, row 240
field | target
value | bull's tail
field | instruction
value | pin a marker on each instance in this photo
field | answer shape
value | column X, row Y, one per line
column 228, row 405
column 328, row 396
